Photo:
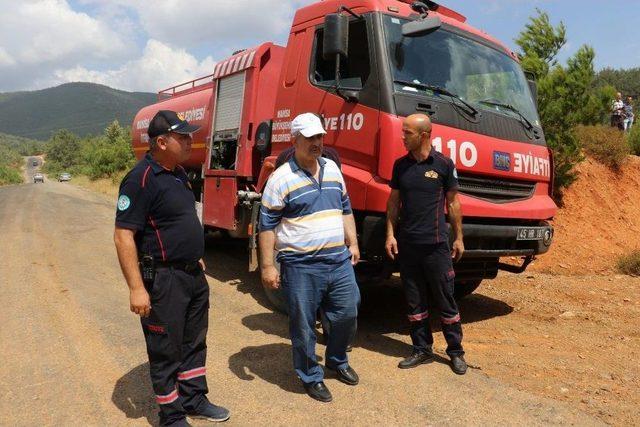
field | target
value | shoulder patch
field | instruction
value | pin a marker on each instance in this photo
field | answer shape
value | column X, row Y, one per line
column 123, row 203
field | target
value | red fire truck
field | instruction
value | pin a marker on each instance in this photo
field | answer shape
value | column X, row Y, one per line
column 363, row 65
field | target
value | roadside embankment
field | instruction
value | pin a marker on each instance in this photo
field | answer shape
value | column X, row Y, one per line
column 599, row 222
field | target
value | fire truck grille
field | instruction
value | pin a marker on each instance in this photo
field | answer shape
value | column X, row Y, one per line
column 495, row 190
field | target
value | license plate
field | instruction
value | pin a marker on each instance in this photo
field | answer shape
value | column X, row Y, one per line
column 530, row 233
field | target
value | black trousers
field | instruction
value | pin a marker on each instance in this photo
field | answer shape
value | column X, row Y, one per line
column 176, row 333
column 617, row 121
column 427, row 277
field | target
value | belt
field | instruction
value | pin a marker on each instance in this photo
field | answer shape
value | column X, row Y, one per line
column 187, row 267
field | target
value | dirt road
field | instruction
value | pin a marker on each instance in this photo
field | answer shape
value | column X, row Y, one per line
column 32, row 165
column 72, row 353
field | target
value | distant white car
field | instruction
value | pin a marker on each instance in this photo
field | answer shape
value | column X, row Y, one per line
column 38, row 177
column 64, row 177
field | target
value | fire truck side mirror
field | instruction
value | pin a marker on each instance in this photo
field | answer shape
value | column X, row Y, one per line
column 336, row 36
column 421, row 26
column 533, row 86
column 263, row 137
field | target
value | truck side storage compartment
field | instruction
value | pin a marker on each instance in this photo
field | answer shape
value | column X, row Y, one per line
column 220, row 202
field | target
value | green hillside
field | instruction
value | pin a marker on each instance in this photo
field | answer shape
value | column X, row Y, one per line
column 22, row 146
column 82, row 108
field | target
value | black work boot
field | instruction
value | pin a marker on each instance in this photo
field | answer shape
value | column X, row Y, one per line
column 458, row 365
column 210, row 412
column 179, row 423
column 416, row 359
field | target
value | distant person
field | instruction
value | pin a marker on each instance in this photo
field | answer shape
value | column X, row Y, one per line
column 617, row 112
column 160, row 245
column 628, row 114
column 422, row 182
column 306, row 215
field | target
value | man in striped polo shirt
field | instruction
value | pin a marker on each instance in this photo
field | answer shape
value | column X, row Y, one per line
column 306, row 217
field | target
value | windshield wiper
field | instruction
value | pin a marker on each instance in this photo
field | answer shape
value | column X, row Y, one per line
column 441, row 91
column 509, row 107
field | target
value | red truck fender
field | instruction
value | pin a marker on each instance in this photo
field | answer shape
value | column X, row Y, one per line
column 268, row 166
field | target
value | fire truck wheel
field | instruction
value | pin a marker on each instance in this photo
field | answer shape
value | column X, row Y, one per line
column 368, row 274
column 464, row 288
column 275, row 296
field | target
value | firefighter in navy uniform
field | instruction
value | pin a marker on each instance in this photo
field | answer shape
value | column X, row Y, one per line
column 421, row 183
column 160, row 245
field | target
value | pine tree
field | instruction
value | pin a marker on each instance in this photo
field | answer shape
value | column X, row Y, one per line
column 63, row 150
column 567, row 95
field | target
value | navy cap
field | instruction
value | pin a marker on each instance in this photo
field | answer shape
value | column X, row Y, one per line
column 166, row 121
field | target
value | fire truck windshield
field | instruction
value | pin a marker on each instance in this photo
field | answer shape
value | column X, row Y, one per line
column 478, row 74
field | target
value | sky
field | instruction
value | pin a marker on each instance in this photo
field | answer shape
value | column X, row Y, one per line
column 147, row 45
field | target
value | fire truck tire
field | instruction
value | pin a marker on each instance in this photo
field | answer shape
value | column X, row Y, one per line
column 368, row 274
column 276, row 296
column 464, row 288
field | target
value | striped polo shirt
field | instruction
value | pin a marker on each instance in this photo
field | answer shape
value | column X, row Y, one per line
column 306, row 215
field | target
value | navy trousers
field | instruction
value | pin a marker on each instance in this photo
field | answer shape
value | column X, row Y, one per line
column 427, row 277
column 176, row 333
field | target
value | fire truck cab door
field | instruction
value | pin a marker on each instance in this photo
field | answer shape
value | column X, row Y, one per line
column 352, row 123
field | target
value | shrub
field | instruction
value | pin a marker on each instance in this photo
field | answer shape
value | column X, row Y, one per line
column 63, row 148
column 8, row 175
column 101, row 156
column 106, row 160
column 10, row 157
column 10, row 164
column 630, row 263
column 633, row 137
column 108, row 154
column 605, row 144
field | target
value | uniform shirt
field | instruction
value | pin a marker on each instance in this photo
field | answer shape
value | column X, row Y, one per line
column 306, row 214
column 160, row 206
column 423, row 187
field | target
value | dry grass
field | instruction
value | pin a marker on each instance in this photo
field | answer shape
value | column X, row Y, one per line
column 634, row 140
column 106, row 186
column 630, row 263
column 607, row 145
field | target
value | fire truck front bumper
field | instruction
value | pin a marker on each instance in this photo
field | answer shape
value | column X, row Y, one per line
column 494, row 241
column 485, row 244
